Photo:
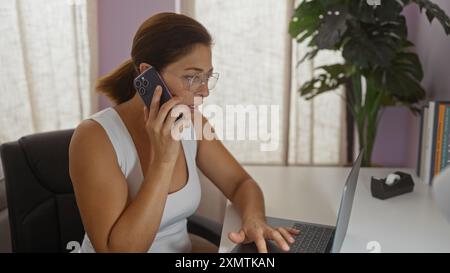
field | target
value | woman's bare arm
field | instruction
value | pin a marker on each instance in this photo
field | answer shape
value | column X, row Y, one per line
column 112, row 223
column 240, row 188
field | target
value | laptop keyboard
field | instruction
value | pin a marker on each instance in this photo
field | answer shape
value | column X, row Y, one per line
column 311, row 239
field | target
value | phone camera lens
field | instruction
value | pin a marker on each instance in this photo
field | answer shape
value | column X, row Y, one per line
column 145, row 83
column 142, row 91
column 138, row 83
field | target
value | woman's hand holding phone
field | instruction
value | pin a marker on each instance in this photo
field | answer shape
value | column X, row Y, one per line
column 158, row 124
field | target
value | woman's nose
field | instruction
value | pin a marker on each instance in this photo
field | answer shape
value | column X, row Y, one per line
column 203, row 90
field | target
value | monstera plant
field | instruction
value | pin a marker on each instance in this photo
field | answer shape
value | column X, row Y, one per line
column 373, row 41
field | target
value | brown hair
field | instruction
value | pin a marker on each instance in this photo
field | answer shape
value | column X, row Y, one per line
column 162, row 39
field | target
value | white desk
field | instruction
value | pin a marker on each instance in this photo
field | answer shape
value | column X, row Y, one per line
column 405, row 223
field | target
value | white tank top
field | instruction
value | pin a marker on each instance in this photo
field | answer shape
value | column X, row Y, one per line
column 172, row 235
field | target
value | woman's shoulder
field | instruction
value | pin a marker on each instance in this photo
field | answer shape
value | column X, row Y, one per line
column 93, row 128
column 89, row 128
column 89, row 137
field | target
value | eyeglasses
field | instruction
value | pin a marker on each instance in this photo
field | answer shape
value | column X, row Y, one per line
column 194, row 82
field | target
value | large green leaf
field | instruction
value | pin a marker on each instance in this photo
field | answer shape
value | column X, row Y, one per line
column 308, row 56
column 402, row 78
column 310, row 16
column 305, row 20
column 369, row 45
column 388, row 10
column 332, row 28
column 434, row 11
column 334, row 76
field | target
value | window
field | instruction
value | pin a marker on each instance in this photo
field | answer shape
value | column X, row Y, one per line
column 49, row 47
column 257, row 60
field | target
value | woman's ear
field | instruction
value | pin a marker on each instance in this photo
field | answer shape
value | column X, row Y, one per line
column 143, row 67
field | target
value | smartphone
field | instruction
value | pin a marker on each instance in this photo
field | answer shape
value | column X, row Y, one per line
column 146, row 84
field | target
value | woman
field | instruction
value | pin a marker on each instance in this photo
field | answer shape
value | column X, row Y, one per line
column 135, row 184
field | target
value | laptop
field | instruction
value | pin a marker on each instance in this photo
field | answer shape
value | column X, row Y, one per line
column 315, row 238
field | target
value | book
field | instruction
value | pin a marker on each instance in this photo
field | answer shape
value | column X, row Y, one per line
column 434, row 146
column 446, row 139
column 428, row 143
column 422, row 141
column 439, row 128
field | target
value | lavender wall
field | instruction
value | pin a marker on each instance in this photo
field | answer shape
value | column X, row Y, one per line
column 398, row 136
column 118, row 21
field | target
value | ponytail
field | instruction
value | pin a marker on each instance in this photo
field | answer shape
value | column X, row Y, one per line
column 118, row 84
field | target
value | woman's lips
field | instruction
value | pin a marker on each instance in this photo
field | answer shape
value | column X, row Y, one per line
column 193, row 107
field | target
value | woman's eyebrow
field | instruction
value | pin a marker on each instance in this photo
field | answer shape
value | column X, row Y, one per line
column 198, row 69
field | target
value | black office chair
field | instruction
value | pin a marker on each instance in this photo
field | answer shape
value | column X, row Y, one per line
column 43, row 213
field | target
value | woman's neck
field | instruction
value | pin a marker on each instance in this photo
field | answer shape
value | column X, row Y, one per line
column 132, row 113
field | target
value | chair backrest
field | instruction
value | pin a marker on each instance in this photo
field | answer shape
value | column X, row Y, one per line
column 43, row 213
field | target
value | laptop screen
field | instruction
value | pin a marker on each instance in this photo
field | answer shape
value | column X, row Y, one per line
column 346, row 205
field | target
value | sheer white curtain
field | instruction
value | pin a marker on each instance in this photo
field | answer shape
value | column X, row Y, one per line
column 48, row 63
column 317, row 134
column 257, row 60
column 251, row 54
column 318, row 126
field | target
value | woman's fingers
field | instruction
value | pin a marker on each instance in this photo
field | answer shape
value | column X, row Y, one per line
column 169, row 124
column 145, row 113
column 154, row 105
column 283, row 236
column 237, row 237
column 287, row 236
column 276, row 236
column 164, row 111
column 261, row 244
column 293, row 231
